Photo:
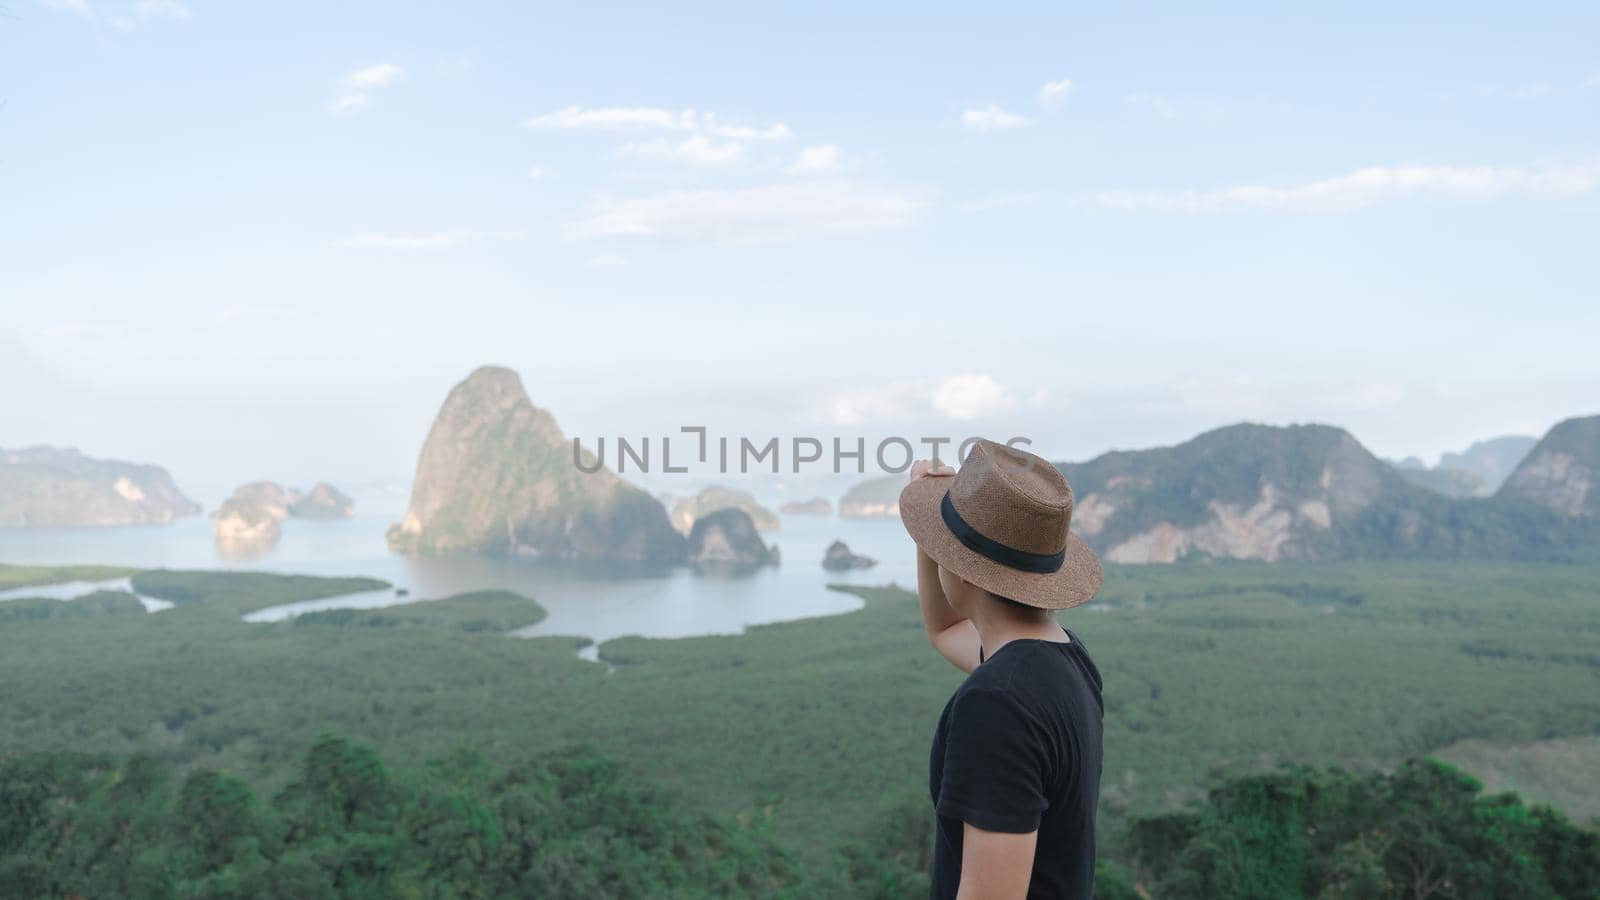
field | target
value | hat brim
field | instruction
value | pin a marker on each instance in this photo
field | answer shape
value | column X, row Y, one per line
column 1075, row 583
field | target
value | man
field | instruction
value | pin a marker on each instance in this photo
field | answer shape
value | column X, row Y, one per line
column 1015, row 766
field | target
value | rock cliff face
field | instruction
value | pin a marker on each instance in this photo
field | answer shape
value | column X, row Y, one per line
column 728, row 538
column 816, row 506
column 272, row 498
column 875, row 498
column 47, row 486
column 248, row 522
column 1562, row 472
column 687, row 511
column 323, row 502
column 497, row 476
column 246, row 525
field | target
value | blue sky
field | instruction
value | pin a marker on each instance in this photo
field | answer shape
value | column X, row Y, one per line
column 265, row 242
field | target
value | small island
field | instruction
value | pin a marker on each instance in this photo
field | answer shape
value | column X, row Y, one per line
column 727, row 539
column 839, row 558
column 875, row 498
column 247, row 523
column 688, row 510
column 816, row 506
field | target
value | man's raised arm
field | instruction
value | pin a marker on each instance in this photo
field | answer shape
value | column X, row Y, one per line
column 951, row 633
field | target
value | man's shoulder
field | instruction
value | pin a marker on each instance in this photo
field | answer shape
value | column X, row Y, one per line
column 1035, row 674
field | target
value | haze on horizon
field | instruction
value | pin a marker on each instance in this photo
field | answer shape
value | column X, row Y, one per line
column 266, row 243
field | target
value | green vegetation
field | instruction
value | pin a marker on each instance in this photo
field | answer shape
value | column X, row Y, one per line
column 230, row 595
column 1558, row 770
column 99, row 603
column 1424, row 831
column 820, row 727
column 32, row 576
column 567, row 825
column 570, row 824
column 483, row 611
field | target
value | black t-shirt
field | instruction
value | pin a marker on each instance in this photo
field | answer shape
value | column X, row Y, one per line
column 1018, row 749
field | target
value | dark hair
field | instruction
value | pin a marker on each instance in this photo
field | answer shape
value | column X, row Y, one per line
column 1015, row 604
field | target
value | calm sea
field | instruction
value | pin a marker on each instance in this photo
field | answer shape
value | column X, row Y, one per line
column 595, row 601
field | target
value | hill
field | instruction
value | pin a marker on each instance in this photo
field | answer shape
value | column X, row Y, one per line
column 1308, row 492
column 497, row 476
column 50, row 486
column 1562, row 472
column 875, row 498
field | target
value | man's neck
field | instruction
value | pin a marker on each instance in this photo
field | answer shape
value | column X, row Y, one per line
column 997, row 630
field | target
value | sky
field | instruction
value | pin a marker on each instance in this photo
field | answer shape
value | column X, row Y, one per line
column 249, row 241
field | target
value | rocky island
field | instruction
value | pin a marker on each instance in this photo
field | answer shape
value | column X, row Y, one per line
column 816, row 506
column 248, row 522
column 496, row 476
column 875, row 498
column 324, row 501
column 688, row 510
column 244, row 526
column 727, row 538
column 49, row 486
column 839, row 558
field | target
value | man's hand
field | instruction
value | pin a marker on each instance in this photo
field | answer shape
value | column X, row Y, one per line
column 930, row 468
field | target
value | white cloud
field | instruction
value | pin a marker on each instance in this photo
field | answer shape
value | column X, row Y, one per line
column 1161, row 106
column 356, row 88
column 142, row 10
column 709, row 141
column 1365, row 187
column 991, row 118
column 1000, row 203
column 79, row 8
column 823, row 159
column 442, row 240
column 972, row 396
column 379, row 76
column 633, row 118
column 774, row 132
column 961, row 397
column 613, row 118
column 697, row 150
column 1054, row 92
column 538, row 172
column 160, row 9
column 608, row 261
column 751, row 214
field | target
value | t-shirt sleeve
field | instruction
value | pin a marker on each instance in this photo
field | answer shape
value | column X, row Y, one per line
column 994, row 764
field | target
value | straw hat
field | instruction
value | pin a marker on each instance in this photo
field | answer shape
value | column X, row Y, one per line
column 1002, row 523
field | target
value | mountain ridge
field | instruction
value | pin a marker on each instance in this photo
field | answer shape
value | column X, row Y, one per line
column 1313, row 492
